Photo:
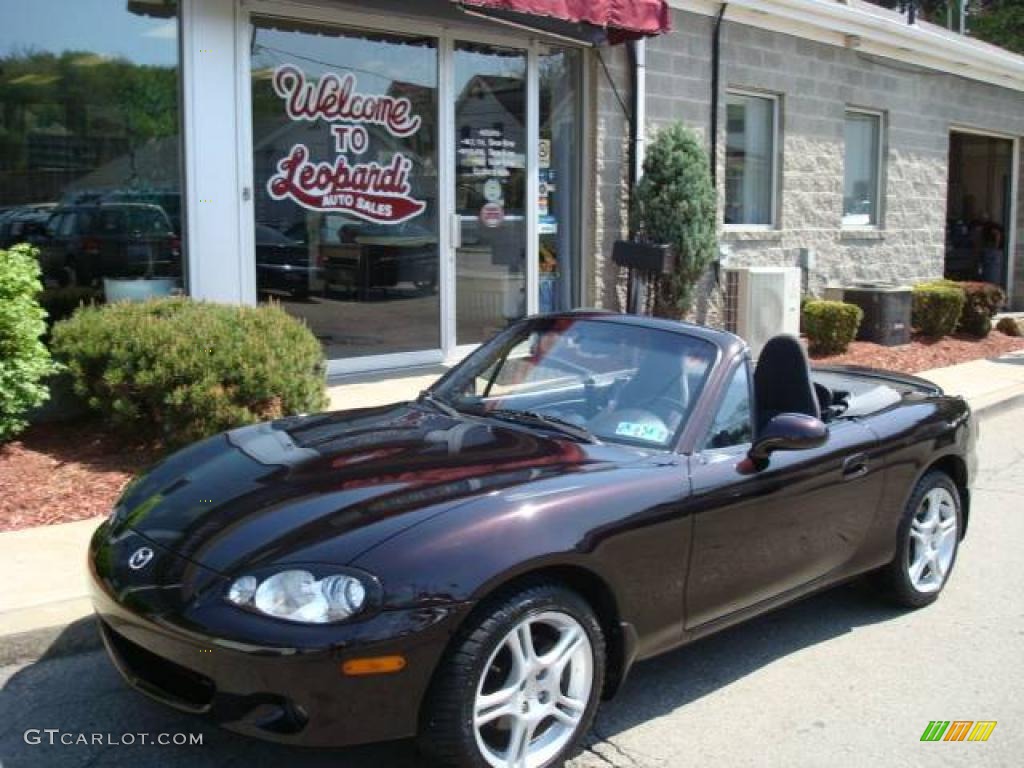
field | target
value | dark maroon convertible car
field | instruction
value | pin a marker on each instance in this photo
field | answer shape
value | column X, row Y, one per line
column 480, row 567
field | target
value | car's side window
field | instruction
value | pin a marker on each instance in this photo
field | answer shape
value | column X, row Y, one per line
column 733, row 421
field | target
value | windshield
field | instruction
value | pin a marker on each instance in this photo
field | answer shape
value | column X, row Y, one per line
column 621, row 383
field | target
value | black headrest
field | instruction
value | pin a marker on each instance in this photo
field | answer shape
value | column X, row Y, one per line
column 782, row 381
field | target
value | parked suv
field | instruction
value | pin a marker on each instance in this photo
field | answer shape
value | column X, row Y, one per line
column 86, row 243
column 23, row 224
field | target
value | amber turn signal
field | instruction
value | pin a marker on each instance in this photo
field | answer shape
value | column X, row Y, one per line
column 375, row 665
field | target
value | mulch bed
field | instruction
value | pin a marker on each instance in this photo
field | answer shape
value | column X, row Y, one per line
column 924, row 353
column 62, row 472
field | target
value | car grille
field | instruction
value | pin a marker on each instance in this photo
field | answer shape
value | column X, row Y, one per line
column 161, row 678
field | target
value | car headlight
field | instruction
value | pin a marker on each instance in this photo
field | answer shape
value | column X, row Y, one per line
column 298, row 595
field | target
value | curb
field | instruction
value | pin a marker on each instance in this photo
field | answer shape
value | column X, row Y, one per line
column 999, row 407
column 80, row 636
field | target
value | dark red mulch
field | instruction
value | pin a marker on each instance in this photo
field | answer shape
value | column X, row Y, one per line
column 61, row 472
column 924, row 353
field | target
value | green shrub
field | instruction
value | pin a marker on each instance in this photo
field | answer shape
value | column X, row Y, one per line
column 24, row 359
column 981, row 302
column 185, row 369
column 830, row 325
column 936, row 307
column 1011, row 326
column 61, row 303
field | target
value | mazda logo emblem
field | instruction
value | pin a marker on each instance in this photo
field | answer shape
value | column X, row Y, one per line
column 140, row 558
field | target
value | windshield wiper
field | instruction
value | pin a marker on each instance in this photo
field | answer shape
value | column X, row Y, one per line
column 426, row 396
column 544, row 420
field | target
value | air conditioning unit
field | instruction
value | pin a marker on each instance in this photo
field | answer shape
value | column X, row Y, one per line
column 761, row 302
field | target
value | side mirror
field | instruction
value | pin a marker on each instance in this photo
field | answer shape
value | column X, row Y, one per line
column 788, row 432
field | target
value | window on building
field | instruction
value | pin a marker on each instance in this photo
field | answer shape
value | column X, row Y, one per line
column 89, row 139
column 863, row 169
column 750, row 158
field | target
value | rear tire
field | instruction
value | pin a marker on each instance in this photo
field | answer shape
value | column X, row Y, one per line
column 927, row 543
column 522, row 679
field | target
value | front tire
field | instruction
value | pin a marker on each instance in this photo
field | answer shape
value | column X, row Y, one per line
column 928, row 541
column 520, row 686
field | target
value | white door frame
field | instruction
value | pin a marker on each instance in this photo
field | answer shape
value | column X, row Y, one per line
column 446, row 35
column 1011, row 225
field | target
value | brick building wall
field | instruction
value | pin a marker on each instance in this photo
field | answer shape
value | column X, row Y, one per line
column 815, row 83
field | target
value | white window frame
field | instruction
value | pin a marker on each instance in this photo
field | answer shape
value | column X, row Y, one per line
column 880, row 166
column 776, row 174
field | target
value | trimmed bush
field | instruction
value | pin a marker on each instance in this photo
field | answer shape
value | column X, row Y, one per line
column 830, row 325
column 1011, row 326
column 24, row 359
column 184, row 370
column 981, row 302
column 937, row 307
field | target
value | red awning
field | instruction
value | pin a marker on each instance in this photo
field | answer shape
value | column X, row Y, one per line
column 621, row 19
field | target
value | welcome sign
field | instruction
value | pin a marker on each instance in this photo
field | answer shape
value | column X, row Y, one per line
column 377, row 193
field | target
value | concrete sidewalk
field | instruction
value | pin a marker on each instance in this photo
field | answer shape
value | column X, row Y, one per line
column 43, row 569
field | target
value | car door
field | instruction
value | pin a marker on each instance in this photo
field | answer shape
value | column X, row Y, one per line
column 758, row 535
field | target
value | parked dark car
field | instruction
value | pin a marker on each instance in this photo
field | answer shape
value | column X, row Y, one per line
column 283, row 264
column 23, row 224
column 481, row 566
column 85, row 243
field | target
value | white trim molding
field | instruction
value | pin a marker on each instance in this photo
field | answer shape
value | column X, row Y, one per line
column 873, row 31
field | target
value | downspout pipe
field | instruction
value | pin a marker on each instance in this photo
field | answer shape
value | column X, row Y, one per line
column 716, row 72
column 638, row 139
column 636, row 50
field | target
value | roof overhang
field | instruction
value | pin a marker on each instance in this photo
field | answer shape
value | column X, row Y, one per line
column 880, row 34
column 590, row 21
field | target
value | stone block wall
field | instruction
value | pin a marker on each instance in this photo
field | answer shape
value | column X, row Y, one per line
column 815, row 84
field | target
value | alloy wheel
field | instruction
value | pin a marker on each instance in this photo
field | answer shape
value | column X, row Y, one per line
column 534, row 691
column 933, row 532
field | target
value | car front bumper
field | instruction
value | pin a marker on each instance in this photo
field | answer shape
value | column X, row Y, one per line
column 294, row 694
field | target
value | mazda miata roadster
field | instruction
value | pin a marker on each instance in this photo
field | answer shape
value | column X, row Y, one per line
column 480, row 567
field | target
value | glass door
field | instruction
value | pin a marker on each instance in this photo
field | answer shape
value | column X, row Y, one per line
column 346, row 191
column 491, row 201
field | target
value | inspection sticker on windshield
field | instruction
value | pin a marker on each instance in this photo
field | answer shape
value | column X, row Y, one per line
column 654, row 433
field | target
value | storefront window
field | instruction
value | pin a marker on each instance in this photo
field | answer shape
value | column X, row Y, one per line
column 346, row 185
column 89, row 141
column 490, row 191
column 558, row 189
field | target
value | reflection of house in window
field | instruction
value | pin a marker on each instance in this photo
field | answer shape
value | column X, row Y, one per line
column 490, row 121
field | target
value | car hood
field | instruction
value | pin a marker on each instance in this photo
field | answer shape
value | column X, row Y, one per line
column 326, row 488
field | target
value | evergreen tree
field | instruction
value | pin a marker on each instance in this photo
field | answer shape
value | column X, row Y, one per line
column 674, row 203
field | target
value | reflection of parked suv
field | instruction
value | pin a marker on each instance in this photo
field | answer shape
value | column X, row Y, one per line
column 283, row 264
column 23, row 224
column 89, row 242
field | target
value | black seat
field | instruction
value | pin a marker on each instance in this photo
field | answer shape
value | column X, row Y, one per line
column 782, row 381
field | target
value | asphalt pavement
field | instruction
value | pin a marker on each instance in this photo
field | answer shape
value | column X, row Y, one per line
column 840, row 679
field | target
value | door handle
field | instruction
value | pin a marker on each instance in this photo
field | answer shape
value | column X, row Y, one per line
column 855, row 466
column 456, row 231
